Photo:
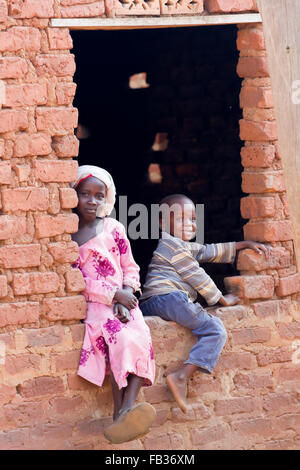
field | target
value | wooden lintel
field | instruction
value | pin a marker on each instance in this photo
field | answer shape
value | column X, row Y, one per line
column 154, row 22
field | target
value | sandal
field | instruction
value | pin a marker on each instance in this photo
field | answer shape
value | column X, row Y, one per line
column 131, row 424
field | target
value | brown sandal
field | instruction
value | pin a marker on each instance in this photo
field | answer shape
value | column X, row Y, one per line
column 131, row 424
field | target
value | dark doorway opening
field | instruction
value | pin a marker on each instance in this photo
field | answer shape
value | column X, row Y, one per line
column 180, row 113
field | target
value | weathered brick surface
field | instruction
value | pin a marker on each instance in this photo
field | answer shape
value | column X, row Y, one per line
column 25, row 199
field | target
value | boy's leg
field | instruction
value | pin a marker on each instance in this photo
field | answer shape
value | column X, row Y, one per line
column 209, row 330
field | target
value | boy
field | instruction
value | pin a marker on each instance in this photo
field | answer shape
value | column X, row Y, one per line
column 174, row 280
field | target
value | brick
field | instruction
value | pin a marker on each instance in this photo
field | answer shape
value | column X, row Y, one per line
column 276, row 402
column 3, row 286
column 250, row 335
column 50, row 436
column 271, row 231
column 200, row 437
column 22, row 172
column 251, row 38
column 13, row 440
column 252, row 261
column 260, row 426
column 253, row 381
column 256, row 97
column 238, row 360
column 66, row 146
column 41, row 386
column 24, row 414
column 289, row 373
column 20, row 37
column 25, row 95
column 65, row 93
column 11, row 227
column 289, row 330
column 68, row 198
column 74, row 281
column 185, row 7
column 258, row 156
column 64, row 252
column 31, row 8
column 83, row 11
column 20, row 256
column 67, row 405
column 263, row 182
column 289, row 422
column 32, row 145
column 157, row 394
column 250, row 287
column 59, row 65
column 236, row 405
column 65, row 308
column 5, row 173
column 13, row 67
column 59, row 38
column 50, row 226
column 44, row 336
column 25, row 199
column 252, row 207
column 18, row 313
column 273, row 356
column 13, row 120
column 3, row 11
column 15, row 364
column 252, row 67
column 7, row 393
column 258, row 131
column 272, row 308
column 229, row 6
column 67, row 360
column 56, row 171
column 35, row 283
column 288, row 285
column 56, row 119
column 77, row 332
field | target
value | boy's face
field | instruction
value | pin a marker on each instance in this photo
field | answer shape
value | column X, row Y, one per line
column 181, row 222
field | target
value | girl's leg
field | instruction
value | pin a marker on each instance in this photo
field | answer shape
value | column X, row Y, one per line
column 117, row 396
column 131, row 392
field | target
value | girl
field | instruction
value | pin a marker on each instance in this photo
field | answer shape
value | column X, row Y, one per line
column 117, row 338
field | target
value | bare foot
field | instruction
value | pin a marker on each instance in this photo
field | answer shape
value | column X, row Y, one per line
column 178, row 387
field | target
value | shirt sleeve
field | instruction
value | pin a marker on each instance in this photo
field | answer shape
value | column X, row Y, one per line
column 131, row 271
column 189, row 270
column 214, row 252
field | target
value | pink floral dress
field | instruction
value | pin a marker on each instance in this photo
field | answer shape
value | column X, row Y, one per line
column 107, row 264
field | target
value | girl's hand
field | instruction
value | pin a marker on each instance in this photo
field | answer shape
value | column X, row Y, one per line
column 126, row 298
column 258, row 247
column 229, row 300
column 121, row 313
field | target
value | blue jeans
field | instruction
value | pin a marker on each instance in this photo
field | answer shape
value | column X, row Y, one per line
column 209, row 330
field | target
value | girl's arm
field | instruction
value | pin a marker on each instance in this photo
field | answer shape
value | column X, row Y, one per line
column 131, row 276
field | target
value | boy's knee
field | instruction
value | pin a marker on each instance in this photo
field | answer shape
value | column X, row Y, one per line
column 221, row 330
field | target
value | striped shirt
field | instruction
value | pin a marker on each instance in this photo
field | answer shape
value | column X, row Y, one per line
column 175, row 266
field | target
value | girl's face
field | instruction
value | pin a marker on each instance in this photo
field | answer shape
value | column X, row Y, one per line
column 91, row 195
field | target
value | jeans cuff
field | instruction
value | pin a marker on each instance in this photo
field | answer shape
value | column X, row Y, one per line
column 206, row 368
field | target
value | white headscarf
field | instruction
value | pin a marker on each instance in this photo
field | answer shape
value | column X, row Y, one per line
column 85, row 171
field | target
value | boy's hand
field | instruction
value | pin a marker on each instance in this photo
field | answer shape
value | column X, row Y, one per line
column 229, row 300
column 258, row 247
column 126, row 298
column 121, row 313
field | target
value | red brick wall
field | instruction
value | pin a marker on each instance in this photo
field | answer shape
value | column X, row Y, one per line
column 251, row 401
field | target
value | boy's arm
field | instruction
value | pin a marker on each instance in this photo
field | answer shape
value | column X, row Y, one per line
column 214, row 252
